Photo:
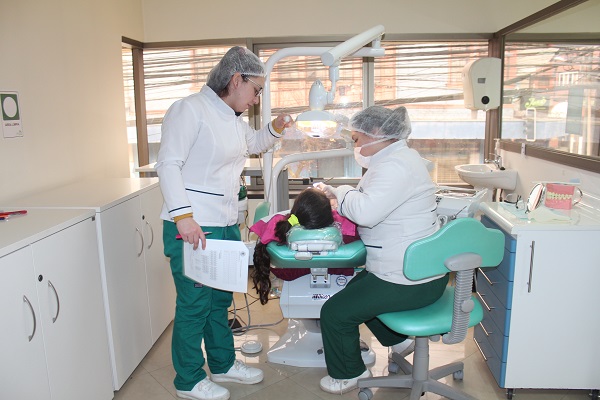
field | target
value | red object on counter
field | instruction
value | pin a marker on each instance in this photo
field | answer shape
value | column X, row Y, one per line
column 5, row 214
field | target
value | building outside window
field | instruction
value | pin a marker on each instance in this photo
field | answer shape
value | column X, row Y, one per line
column 552, row 96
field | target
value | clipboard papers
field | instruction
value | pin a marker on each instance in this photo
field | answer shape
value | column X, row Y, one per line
column 222, row 265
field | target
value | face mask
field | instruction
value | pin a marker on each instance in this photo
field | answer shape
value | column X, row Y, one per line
column 361, row 160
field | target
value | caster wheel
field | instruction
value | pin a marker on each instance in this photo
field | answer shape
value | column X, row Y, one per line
column 365, row 394
column 458, row 375
column 393, row 368
column 509, row 393
column 594, row 394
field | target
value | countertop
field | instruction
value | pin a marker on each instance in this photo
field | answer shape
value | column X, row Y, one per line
column 98, row 194
column 21, row 230
column 581, row 218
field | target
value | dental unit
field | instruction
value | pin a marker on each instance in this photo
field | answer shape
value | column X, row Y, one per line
column 319, row 250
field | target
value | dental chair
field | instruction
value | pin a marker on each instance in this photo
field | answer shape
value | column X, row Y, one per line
column 460, row 246
column 316, row 251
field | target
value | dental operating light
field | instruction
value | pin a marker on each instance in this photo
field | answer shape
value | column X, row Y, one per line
column 317, row 122
column 353, row 47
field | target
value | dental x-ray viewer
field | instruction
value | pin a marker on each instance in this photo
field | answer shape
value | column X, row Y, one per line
column 393, row 205
column 205, row 143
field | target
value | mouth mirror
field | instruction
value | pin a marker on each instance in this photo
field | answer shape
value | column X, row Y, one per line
column 535, row 197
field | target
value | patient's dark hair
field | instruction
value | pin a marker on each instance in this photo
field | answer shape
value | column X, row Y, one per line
column 313, row 210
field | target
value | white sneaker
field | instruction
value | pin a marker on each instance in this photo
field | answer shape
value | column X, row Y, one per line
column 404, row 348
column 341, row 386
column 240, row 373
column 205, row 390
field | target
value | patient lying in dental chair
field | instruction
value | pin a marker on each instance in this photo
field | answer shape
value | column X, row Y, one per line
column 311, row 210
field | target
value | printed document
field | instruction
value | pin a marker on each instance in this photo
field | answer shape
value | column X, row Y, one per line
column 222, row 265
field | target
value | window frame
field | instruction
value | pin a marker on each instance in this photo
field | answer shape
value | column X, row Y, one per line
column 587, row 163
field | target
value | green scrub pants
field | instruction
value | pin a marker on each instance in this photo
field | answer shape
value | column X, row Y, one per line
column 201, row 314
column 364, row 298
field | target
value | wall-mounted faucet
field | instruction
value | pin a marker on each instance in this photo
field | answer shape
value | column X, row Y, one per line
column 497, row 161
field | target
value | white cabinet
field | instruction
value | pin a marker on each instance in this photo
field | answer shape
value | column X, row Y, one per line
column 542, row 316
column 161, row 289
column 21, row 344
column 140, row 288
column 123, row 259
column 139, row 292
column 53, row 340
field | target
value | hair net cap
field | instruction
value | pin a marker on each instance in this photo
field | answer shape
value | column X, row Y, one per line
column 237, row 59
column 377, row 121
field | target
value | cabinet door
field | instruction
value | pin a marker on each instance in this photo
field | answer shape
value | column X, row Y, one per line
column 23, row 372
column 161, row 289
column 72, row 317
column 554, row 314
column 123, row 253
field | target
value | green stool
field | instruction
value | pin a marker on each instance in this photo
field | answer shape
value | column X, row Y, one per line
column 461, row 246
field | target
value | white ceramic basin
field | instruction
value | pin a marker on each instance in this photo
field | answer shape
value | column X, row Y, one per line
column 487, row 176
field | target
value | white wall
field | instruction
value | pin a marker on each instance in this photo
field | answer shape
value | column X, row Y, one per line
column 63, row 57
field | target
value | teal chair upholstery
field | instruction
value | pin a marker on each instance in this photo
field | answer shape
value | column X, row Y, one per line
column 262, row 210
column 460, row 246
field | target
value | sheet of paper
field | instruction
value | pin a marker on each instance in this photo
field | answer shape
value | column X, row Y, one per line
column 222, row 265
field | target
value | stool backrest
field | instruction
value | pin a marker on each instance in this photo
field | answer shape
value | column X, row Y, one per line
column 427, row 257
column 461, row 246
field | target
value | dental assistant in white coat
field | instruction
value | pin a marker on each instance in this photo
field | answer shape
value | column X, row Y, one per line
column 393, row 205
column 205, row 144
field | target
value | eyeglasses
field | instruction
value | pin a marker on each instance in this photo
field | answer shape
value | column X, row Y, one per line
column 258, row 90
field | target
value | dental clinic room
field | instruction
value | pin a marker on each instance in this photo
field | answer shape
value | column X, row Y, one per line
column 191, row 193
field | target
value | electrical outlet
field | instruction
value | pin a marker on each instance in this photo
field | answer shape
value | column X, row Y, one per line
column 523, row 147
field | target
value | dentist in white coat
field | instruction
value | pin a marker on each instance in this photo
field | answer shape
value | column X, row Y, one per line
column 393, row 205
column 205, row 144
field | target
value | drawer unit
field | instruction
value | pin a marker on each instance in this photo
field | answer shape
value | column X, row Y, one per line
column 541, row 295
column 493, row 361
column 495, row 289
column 492, row 280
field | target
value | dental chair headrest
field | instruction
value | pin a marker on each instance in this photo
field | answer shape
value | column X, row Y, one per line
column 314, row 240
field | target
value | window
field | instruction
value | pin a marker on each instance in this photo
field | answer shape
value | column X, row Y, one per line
column 552, row 96
column 170, row 74
column 426, row 77
column 291, row 80
column 423, row 76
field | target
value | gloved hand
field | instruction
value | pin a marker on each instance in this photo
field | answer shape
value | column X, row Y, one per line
column 328, row 190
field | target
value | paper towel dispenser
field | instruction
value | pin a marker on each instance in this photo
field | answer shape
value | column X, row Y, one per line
column 481, row 83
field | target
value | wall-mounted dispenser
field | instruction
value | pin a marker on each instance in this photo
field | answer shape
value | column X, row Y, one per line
column 481, row 83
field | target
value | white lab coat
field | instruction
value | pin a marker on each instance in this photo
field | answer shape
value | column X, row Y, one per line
column 203, row 150
column 393, row 205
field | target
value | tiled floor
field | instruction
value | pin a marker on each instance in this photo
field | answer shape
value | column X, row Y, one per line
column 153, row 379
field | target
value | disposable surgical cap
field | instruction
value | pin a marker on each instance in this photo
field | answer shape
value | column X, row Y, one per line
column 377, row 121
column 237, row 59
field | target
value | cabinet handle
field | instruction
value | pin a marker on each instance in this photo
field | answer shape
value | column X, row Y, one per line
column 484, row 303
column 152, row 232
column 486, row 277
column 531, row 266
column 26, row 300
column 141, row 237
column 485, row 330
column 50, row 285
column 480, row 350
